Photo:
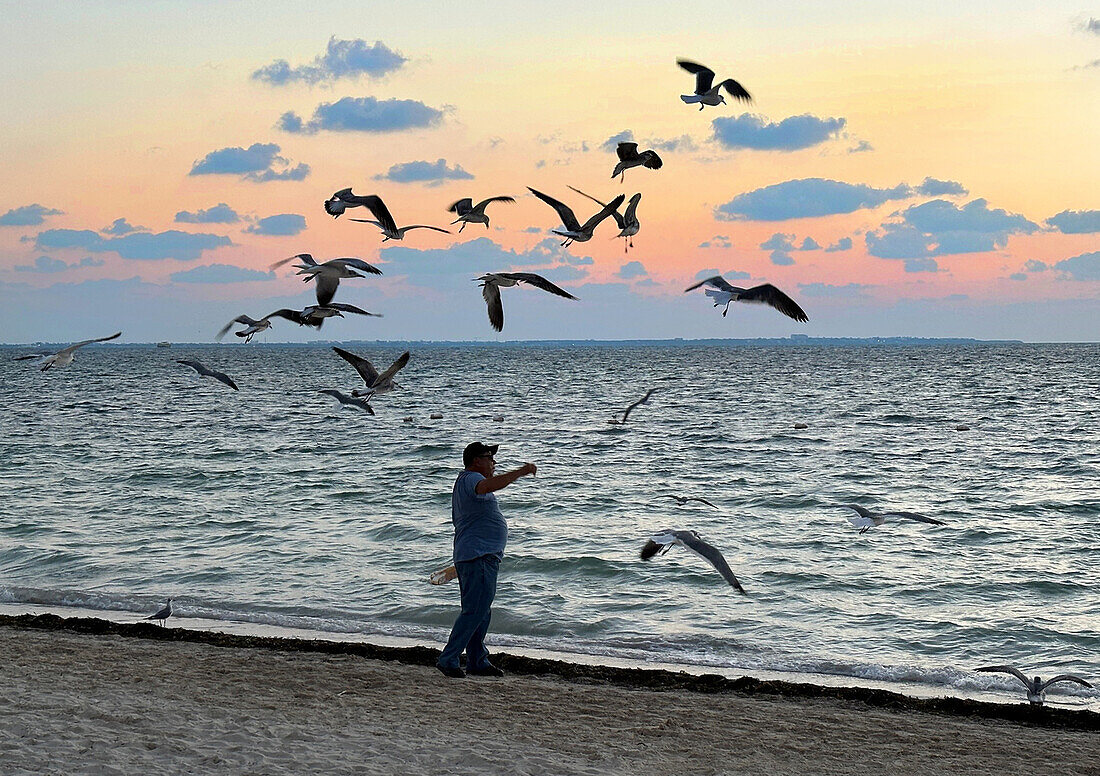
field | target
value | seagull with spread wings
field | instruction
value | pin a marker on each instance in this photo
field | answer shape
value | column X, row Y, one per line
column 351, row 401
column 706, row 91
column 376, row 382
column 328, row 273
column 865, row 519
column 574, row 231
column 314, row 315
column 469, row 213
column 683, row 500
column 1036, row 688
column 629, row 157
column 344, row 199
column 252, row 327
column 662, row 542
column 204, row 372
column 628, row 222
column 724, row 293
column 492, row 282
column 626, row 412
column 383, row 219
column 63, row 357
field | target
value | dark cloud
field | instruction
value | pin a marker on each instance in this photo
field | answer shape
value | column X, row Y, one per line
column 282, row 225
column 1034, row 265
column 790, row 134
column 843, row 244
column 809, row 244
column 1017, row 276
column 718, row 241
column 46, row 264
column 1083, row 267
column 1076, row 221
column 172, row 244
column 806, row 198
column 861, row 147
column 731, row 274
column 780, row 246
column 415, row 172
column 221, row 213
column 826, row 290
column 1092, row 25
column 632, row 269
column 612, row 142
column 342, row 59
column 122, row 226
column 220, row 273
column 363, row 114
column 28, row 215
column 260, row 162
column 936, row 188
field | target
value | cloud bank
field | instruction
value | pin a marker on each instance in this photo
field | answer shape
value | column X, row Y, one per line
column 342, row 59
column 28, row 215
column 363, row 114
column 142, row 246
column 260, row 163
column 790, row 134
column 282, row 225
column 221, row 213
column 418, row 172
column 806, row 198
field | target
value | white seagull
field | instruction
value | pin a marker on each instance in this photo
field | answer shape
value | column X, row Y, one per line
column 662, row 542
column 163, row 614
column 492, row 282
column 252, row 327
column 469, row 213
column 574, row 231
column 628, row 222
column 865, row 519
column 626, row 412
column 202, row 370
column 343, row 398
column 1036, row 688
column 683, row 500
column 705, row 92
column 328, row 273
column 629, row 157
column 63, row 357
column 376, row 382
column 724, row 293
column 384, row 220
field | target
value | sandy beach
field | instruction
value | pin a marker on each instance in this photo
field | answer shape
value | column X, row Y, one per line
column 75, row 702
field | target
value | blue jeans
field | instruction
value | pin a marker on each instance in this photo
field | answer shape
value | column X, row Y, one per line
column 477, row 582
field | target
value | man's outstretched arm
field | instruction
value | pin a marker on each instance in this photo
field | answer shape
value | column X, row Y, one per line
column 498, row 481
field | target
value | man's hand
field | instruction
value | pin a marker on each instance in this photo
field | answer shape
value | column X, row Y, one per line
column 528, row 468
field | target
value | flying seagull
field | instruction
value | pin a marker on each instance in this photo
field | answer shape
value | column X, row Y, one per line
column 626, row 412
column 376, row 383
column 629, row 157
column 574, row 231
column 628, row 222
column 724, row 293
column 251, row 328
column 328, row 274
column 1036, row 688
column 163, row 614
column 662, row 542
column 865, row 519
column 63, row 357
column 492, row 282
column 705, row 92
column 343, row 398
column 383, row 219
column 315, row 315
column 202, row 370
column 682, row 500
column 344, row 199
column 469, row 213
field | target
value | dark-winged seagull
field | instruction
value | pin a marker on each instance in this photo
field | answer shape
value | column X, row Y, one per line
column 384, row 220
column 202, row 370
column 314, row 315
column 469, row 213
column 328, row 273
column 628, row 222
column 865, row 519
column 724, row 293
column 251, row 328
column 626, row 412
column 163, row 614
column 1036, row 688
column 683, row 500
column 492, row 282
column 344, row 199
column 352, row 401
column 662, row 542
column 574, row 231
column 706, row 91
column 629, row 157
column 376, row 382
column 63, row 357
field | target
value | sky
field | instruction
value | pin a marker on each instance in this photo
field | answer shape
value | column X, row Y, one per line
column 922, row 170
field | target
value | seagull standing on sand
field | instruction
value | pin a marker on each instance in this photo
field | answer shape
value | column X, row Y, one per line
column 352, row 401
column 626, row 412
column 628, row 222
column 1036, row 688
column 492, row 282
column 662, row 542
column 202, row 370
column 683, row 500
column 725, row 293
column 329, row 273
column 64, row 357
column 865, row 519
column 163, row 614
column 469, row 213
column 383, row 219
column 705, row 92
column 252, row 327
column 376, row 382
column 629, row 157
column 574, row 231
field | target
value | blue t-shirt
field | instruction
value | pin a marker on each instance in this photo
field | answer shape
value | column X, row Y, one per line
column 479, row 526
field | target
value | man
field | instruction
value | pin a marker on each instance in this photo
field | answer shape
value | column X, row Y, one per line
column 480, row 536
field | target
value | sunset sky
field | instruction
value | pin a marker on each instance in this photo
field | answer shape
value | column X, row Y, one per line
column 927, row 169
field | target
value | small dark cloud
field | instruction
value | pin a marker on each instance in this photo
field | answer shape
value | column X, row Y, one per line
column 843, row 244
column 363, row 114
column 780, row 246
column 806, row 198
column 220, row 273
column 145, row 246
column 28, row 215
column 282, row 225
column 1091, row 26
column 826, row 290
column 809, row 244
column 342, row 59
column 533, row 229
column 221, row 213
column 718, row 241
column 1087, row 66
column 1034, row 265
column 415, row 172
column 1017, row 276
column 122, row 226
column 861, row 147
column 632, row 269
column 1083, row 267
column 260, row 162
column 732, row 274
column 613, row 142
column 540, row 164
column 1076, row 221
column 47, row 264
column 936, row 188
column 790, row 134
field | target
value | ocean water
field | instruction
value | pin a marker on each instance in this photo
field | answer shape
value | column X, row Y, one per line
column 129, row 479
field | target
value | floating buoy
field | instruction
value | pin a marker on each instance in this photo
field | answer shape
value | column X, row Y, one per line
column 962, row 427
column 436, row 416
column 800, row 426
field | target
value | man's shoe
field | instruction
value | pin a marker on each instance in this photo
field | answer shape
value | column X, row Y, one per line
column 454, row 672
column 487, row 670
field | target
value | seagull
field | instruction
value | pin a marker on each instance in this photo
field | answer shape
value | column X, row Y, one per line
column 344, row 199
column 724, row 293
column 629, row 157
column 662, row 542
column 343, row 398
column 382, row 218
column 865, row 519
column 163, row 614
column 202, row 370
column 705, row 94
column 492, row 282
column 628, row 223
column 626, row 412
column 1036, row 688
column 315, row 315
column 376, row 383
column 252, row 327
column 64, row 357
column 682, row 500
column 328, row 274
column 574, row 232
column 469, row 213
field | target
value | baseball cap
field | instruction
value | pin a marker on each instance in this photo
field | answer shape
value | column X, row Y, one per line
column 475, row 449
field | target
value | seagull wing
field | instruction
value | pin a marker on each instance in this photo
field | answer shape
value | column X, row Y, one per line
column 697, row 498
column 692, row 541
column 858, row 510
column 480, row 206
column 631, row 214
column 568, row 219
column 608, row 209
column 422, row 226
column 358, row 264
column 620, row 220
column 379, row 210
column 327, row 284
column 538, row 281
column 30, row 356
column 1006, row 670
column 71, row 348
column 364, row 367
column 334, row 209
column 642, row 400
column 773, row 297
column 393, row 368
column 193, row 364
column 223, row 377
column 1064, row 678
column 302, row 257
column 914, row 516
column 350, row 308
column 490, row 292
column 655, row 545
column 343, row 398
column 652, row 160
column 718, row 282
column 239, row 319
column 704, row 76
column 628, row 152
column 291, row 315
column 462, row 207
column 736, row 90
